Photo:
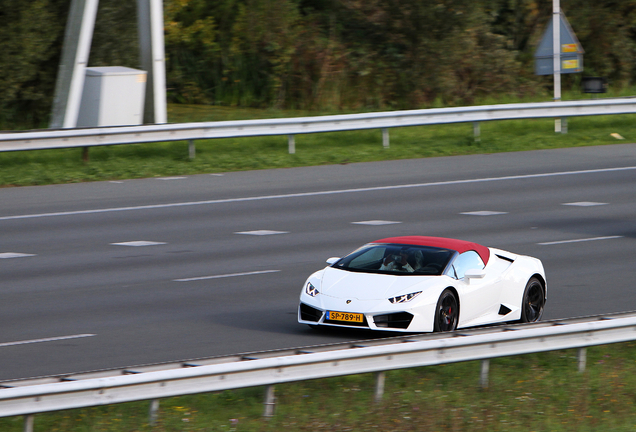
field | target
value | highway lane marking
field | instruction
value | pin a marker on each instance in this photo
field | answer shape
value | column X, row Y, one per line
column 484, row 213
column 318, row 193
column 376, row 222
column 51, row 339
column 171, row 178
column 6, row 255
column 138, row 243
column 584, row 204
column 226, row 275
column 579, row 240
column 262, row 232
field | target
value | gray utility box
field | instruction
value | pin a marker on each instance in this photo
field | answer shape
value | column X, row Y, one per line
column 112, row 96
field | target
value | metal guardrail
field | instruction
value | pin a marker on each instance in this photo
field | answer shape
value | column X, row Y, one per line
column 67, row 138
column 403, row 352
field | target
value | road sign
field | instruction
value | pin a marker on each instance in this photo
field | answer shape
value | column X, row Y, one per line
column 571, row 50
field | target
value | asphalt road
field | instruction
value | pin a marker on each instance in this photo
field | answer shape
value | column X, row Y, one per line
column 226, row 255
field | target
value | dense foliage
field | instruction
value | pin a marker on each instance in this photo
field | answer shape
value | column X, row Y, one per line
column 319, row 54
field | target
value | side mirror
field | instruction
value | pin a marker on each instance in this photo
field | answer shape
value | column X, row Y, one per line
column 474, row 274
column 332, row 260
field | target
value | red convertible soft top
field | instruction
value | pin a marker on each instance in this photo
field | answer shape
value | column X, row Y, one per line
column 460, row 246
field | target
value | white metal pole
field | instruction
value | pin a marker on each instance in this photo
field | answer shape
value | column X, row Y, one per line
column 379, row 386
column 152, row 53
column 582, row 359
column 556, row 52
column 159, row 62
column 483, row 376
column 270, row 401
column 29, row 420
column 153, row 412
column 72, row 70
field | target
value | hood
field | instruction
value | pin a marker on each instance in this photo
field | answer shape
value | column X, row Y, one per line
column 370, row 286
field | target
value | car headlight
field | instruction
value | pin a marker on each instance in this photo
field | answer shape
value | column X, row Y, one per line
column 404, row 298
column 311, row 290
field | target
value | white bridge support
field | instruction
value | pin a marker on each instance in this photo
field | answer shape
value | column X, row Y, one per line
column 152, row 53
column 72, row 70
column 76, row 50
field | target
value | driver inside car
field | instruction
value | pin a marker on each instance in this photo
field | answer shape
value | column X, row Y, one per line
column 405, row 262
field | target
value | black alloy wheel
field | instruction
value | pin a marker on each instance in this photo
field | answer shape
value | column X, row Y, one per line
column 533, row 301
column 446, row 312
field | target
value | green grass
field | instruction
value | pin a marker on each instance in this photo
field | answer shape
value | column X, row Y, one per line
column 537, row 392
column 223, row 155
column 238, row 154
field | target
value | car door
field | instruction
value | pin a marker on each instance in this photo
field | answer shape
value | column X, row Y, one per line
column 477, row 295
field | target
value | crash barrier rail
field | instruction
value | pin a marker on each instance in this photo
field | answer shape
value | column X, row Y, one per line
column 67, row 138
column 270, row 368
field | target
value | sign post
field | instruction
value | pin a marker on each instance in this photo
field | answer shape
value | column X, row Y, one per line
column 556, row 56
column 559, row 52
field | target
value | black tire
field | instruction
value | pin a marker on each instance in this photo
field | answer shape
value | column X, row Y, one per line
column 446, row 312
column 533, row 301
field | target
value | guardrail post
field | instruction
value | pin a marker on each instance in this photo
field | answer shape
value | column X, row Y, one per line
column 483, row 378
column 379, row 386
column 191, row 149
column 582, row 359
column 385, row 138
column 564, row 125
column 85, row 154
column 153, row 412
column 270, row 401
column 29, row 419
column 476, row 131
column 291, row 142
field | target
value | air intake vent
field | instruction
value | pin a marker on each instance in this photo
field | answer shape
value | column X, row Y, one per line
column 503, row 310
column 505, row 258
column 400, row 320
column 307, row 313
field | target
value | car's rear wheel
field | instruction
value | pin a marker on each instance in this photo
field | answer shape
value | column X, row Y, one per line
column 446, row 312
column 533, row 301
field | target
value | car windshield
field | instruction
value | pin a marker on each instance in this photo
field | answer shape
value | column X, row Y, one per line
column 397, row 259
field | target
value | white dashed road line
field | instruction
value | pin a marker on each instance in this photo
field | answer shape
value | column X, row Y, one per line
column 584, row 204
column 318, row 193
column 225, row 275
column 262, row 232
column 51, row 339
column 579, row 240
column 376, row 222
column 138, row 243
column 484, row 213
column 6, row 255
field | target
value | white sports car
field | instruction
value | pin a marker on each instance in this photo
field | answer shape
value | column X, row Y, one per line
column 424, row 284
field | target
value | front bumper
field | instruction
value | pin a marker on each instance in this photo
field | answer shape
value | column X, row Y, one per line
column 389, row 321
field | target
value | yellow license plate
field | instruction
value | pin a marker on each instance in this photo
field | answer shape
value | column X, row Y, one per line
column 345, row 316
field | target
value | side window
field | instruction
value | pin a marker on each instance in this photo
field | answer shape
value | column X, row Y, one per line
column 467, row 261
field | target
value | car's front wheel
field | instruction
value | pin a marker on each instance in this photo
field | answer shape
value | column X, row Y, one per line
column 446, row 312
column 533, row 301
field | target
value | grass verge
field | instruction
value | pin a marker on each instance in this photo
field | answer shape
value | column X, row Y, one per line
column 237, row 154
column 536, row 392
